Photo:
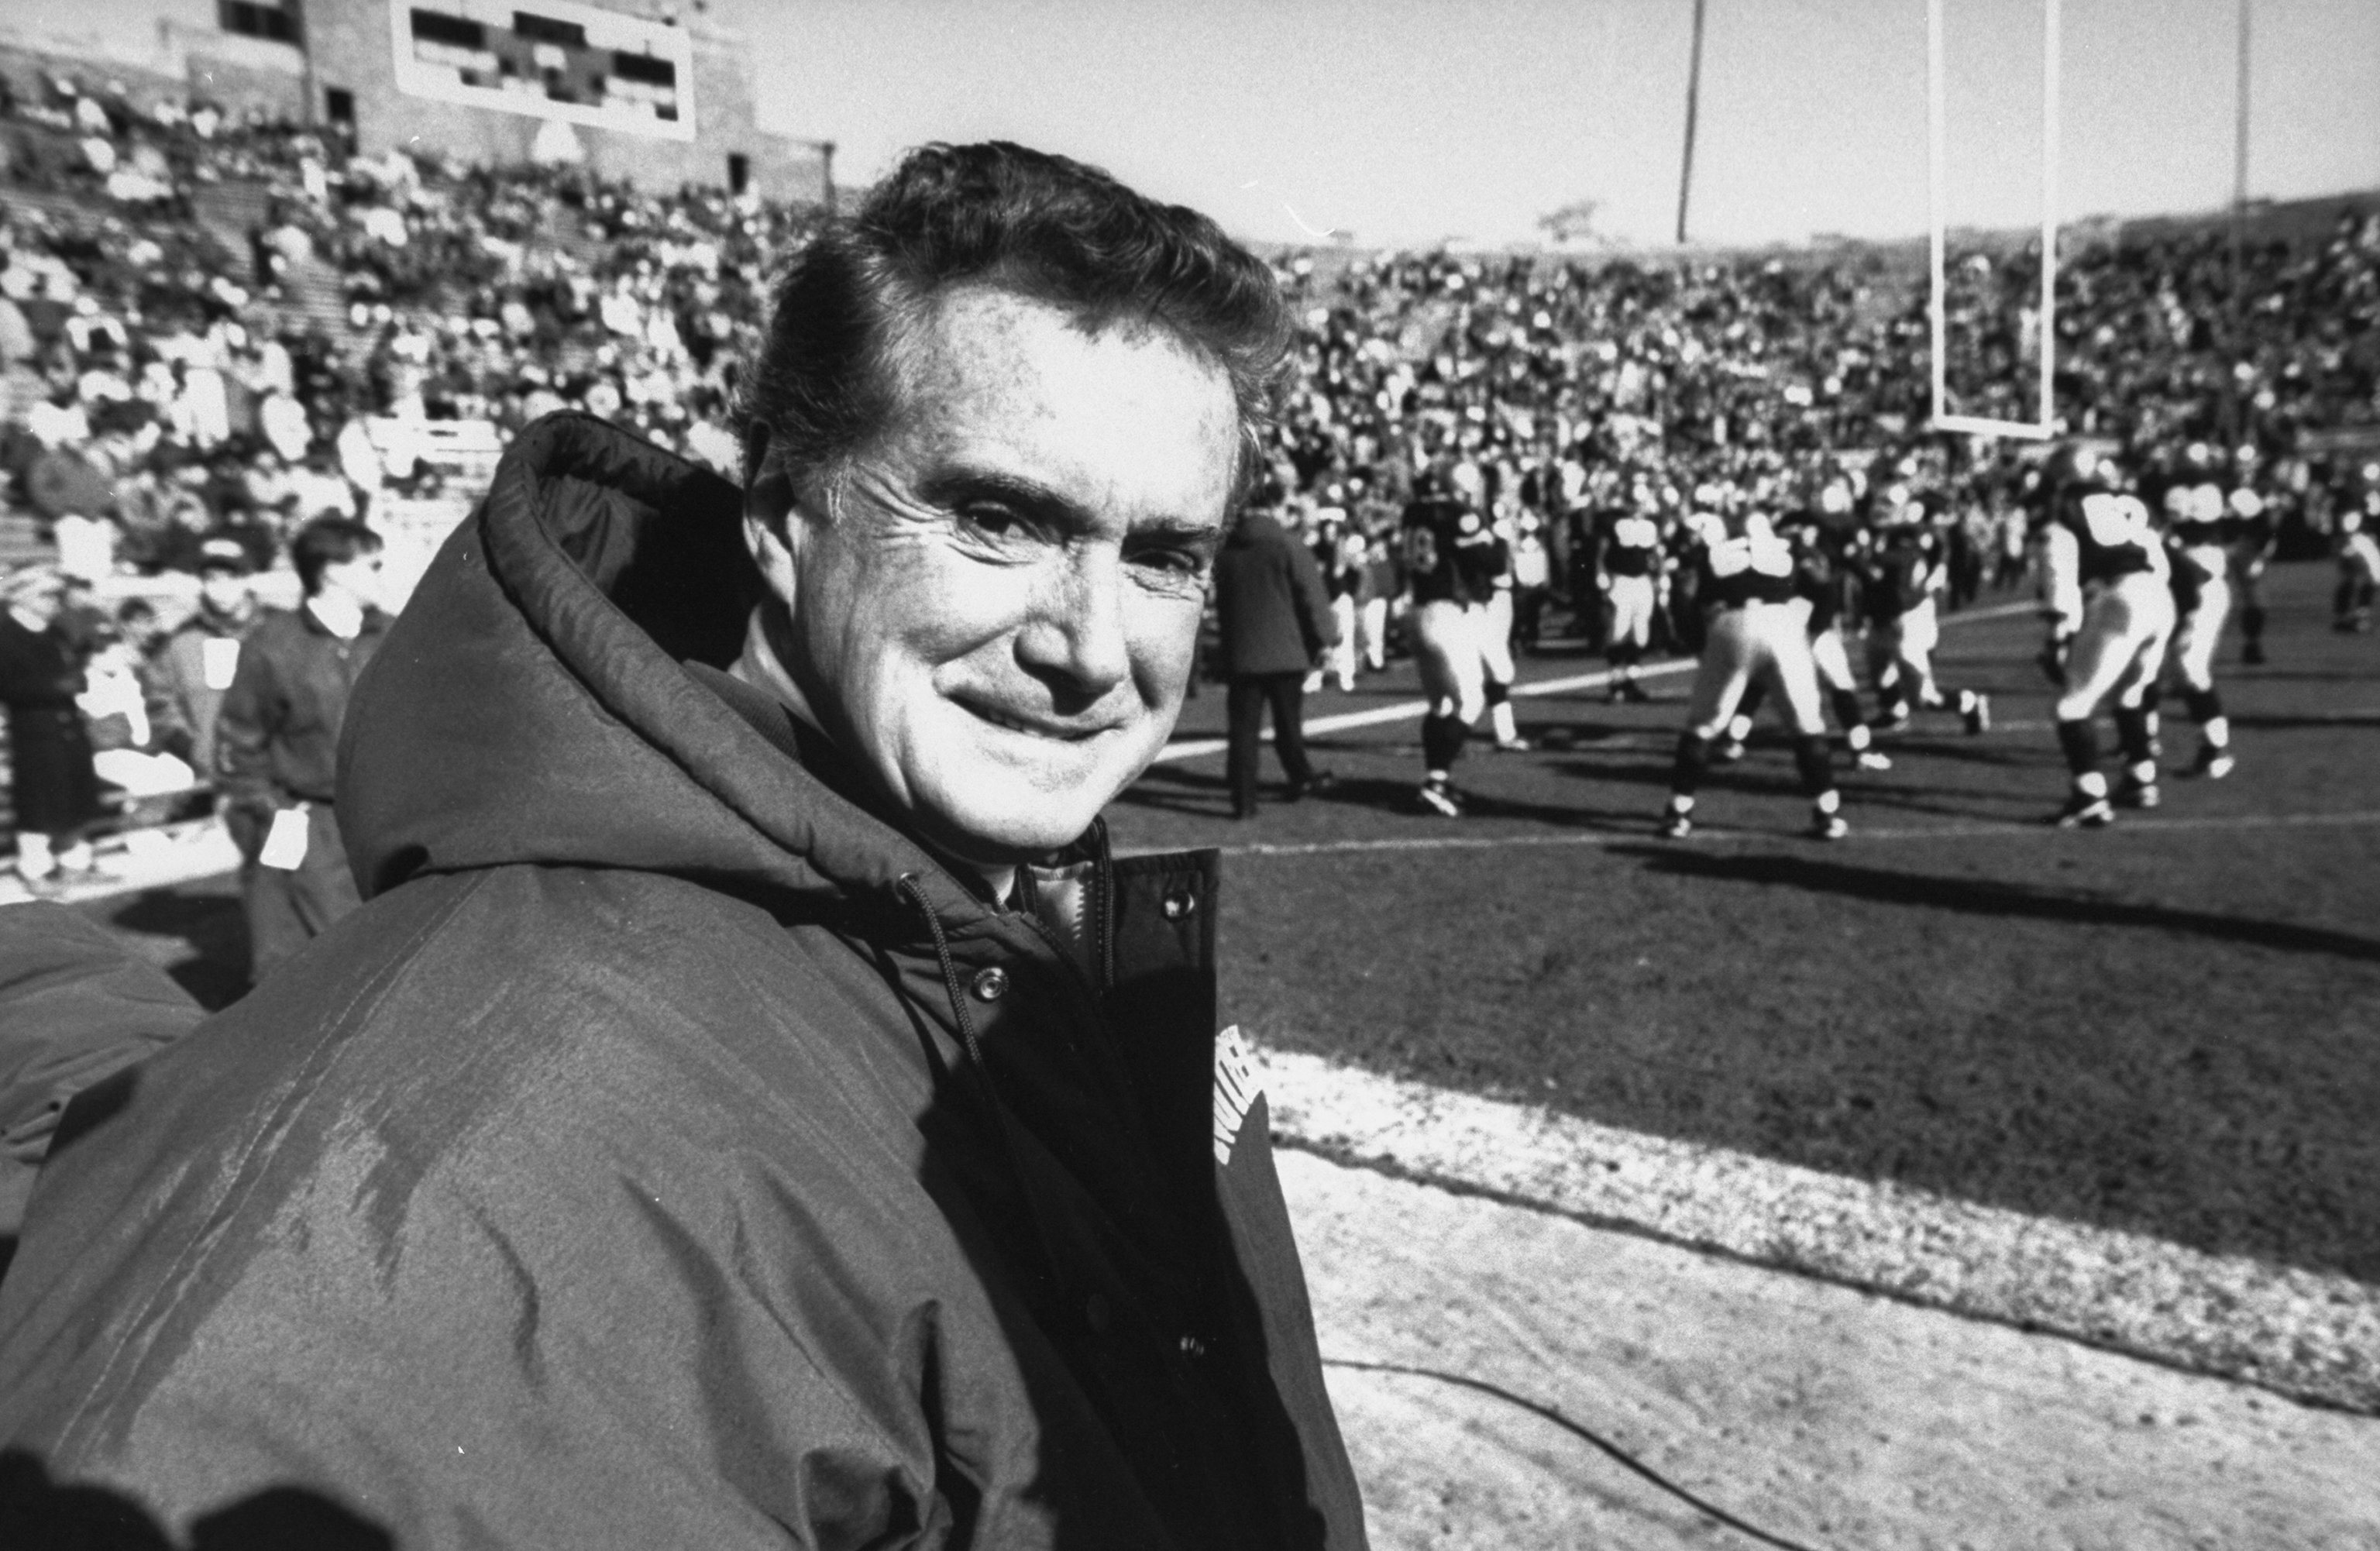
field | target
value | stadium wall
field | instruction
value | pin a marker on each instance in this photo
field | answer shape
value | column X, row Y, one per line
column 179, row 48
column 351, row 47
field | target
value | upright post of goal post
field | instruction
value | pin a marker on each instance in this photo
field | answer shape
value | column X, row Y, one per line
column 2045, row 424
column 1936, row 320
column 2049, row 52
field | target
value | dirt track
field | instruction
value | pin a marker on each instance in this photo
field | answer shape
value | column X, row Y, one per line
column 1827, row 1417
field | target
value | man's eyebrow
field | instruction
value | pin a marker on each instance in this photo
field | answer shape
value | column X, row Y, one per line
column 955, row 487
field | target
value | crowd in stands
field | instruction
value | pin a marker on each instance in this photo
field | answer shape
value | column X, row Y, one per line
column 213, row 330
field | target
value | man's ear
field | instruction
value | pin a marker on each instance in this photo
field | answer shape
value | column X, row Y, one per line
column 772, row 530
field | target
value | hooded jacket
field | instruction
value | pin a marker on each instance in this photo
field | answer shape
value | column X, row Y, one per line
column 672, row 1153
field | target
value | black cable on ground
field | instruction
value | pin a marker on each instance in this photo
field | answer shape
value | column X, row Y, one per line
column 1618, row 1454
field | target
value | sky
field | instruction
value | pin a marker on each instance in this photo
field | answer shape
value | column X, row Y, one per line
column 1409, row 122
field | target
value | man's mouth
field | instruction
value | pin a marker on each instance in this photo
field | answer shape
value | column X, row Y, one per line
column 1031, row 727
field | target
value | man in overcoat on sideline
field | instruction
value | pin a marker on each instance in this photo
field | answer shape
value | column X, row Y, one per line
column 1276, row 622
column 753, row 1107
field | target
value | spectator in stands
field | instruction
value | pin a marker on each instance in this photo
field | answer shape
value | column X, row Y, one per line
column 137, row 744
column 53, row 792
column 1277, row 622
column 197, row 664
column 277, row 740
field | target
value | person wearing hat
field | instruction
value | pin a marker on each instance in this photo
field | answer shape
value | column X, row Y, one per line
column 277, row 738
column 52, row 791
column 199, row 660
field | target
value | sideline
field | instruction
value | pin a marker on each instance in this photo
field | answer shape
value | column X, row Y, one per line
column 1409, row 710
column 1968, row 830
column 2307, row 1333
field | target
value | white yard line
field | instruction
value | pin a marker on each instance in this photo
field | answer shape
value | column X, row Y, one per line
column 2304, row 1331
column 1410, row 711
column 2128, row 824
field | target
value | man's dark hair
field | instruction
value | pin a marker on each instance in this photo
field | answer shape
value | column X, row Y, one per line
column 1024, row 221
column 328, row 541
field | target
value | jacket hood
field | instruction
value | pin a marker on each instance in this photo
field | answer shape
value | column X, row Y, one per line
column 544, row 697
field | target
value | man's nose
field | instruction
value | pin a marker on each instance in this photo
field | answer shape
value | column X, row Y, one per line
column 1077, row 634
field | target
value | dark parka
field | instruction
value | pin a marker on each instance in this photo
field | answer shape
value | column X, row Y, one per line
column 671, row 1153
column 1270, row 601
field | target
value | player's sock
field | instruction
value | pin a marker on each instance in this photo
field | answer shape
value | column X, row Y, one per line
column 2207, row 710
column 1499, row 713
column 1437, row 755
column 2136, row 734
column 1815, row 763
column 1739, row 727
column 1847, row 711
column 2079, row 740
column 2251, row 624
column 1686, row 770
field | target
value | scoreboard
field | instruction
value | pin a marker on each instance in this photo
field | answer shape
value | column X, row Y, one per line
column 548, row 59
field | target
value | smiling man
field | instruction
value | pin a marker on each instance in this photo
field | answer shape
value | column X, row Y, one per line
column 753, row 1108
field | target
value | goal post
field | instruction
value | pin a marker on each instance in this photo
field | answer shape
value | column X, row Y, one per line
column 2044, row 425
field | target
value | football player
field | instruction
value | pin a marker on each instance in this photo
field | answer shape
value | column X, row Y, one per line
column 2111, row 614
column 2256, row 534
column 2359, row 556
column 1629, row 560
column 1820, row 570
column 1752, row 631
column 2202, row 523
column 1497, row 615
column 1906, row 570
column 1451, row 561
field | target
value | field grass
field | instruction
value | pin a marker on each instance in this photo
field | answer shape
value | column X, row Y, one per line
column 2171, row 1026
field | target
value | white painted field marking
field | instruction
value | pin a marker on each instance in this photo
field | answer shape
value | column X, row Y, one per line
column 1410, row 711
column 1998, row 830
column 2305, row 1332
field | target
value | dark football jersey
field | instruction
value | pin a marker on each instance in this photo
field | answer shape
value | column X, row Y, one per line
column 1628, row 543
column 1818, row 575
column 1742, row 560
column 2112, row 534
column 1450, row 554
column 1900, row 570
column 2196, row 514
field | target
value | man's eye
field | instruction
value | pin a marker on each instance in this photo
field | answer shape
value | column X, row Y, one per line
column 1172, row 562
column 996, row 521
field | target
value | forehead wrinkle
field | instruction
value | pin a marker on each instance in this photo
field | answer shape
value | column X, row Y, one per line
column 960, row 389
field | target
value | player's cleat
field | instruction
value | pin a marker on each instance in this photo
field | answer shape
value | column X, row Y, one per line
column 1440, row 797
column 1727, row 751
column 1514, row 745
column 2084, row 811
column 2137, row 794
column 1828, row 825
column 2252, row 654
column 1676, row 824
column 1634, row 692
column 1898, row 721
column 1869, row 759
column 2212, row 763
column 1975, row 710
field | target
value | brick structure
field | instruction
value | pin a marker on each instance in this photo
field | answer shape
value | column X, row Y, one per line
column 653, row 91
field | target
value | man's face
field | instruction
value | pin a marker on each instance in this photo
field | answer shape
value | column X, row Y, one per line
column 357, row 578
column 225, row 591
column 997, row 617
